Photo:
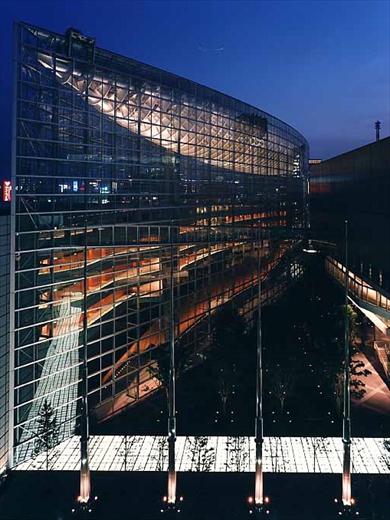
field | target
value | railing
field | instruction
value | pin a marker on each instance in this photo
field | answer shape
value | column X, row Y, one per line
column 382, row 351
column 357, row 285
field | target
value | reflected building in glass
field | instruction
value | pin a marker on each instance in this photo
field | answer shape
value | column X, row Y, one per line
column 126, row 177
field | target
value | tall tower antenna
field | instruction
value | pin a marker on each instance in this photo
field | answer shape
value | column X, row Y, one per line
column 377, row 129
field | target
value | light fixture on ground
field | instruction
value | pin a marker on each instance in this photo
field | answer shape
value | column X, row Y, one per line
column 83, row 509
column 309, row 248
column 171, row 508
column 259, row 509
column 346, row 511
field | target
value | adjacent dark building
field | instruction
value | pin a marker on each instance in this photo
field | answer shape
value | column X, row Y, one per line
column 356, row 186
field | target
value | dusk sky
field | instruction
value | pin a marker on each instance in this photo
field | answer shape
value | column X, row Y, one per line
column 323, row 67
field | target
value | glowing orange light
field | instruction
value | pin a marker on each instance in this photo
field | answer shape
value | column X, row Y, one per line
column 7, row 191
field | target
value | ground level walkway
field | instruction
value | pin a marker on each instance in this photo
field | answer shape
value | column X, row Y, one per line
column 217, row 454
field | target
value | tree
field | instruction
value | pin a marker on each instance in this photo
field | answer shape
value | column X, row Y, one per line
column 47, row 435
column 320, row 446
column 276, row 454
column 237, row 453
column 162, row 453
column 357, row 385
column 339, row 390
column 125, row 450
column 228, row 342
column 281, row 383
column 229, row 329
column 202, row 456
column 386, row 456
column 226, row 379
column 160, row 368
column 333, row 358
column 354, row 324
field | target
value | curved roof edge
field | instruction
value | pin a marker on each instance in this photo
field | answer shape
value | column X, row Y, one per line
column 171, row 75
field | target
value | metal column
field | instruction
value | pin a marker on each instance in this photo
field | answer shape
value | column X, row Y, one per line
column 85, row 477
column 259, row 433
column 172, row 384
column 346, row 484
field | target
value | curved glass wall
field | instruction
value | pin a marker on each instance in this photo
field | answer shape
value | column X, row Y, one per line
column 124, row 172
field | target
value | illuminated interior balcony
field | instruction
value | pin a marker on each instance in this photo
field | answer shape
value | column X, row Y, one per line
column 237, row 143
column 372, row 302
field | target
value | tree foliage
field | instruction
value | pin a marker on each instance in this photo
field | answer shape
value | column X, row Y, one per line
column 160, row 368
column 386, row 456
column 281, row 384
column 47, row 434
column 228, row 345
column 202, row 455
column 333, row 359
column 237, row 453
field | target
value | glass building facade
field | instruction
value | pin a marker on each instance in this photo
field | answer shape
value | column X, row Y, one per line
column 128, row 181
column 4, row 332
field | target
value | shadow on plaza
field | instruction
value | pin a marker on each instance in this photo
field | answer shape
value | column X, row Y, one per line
column 39, row 496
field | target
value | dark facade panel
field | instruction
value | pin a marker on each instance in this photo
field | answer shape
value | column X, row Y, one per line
column 356, row 186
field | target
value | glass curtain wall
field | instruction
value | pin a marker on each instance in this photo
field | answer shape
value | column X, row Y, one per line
column 121, row 172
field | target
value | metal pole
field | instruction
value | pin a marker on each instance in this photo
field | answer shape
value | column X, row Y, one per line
column 171, row 388
column 346, row 484
column 85, row 478
column 259, row 494
column 10, row 419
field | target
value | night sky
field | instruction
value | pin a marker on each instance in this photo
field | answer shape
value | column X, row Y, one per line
column 323, row 67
